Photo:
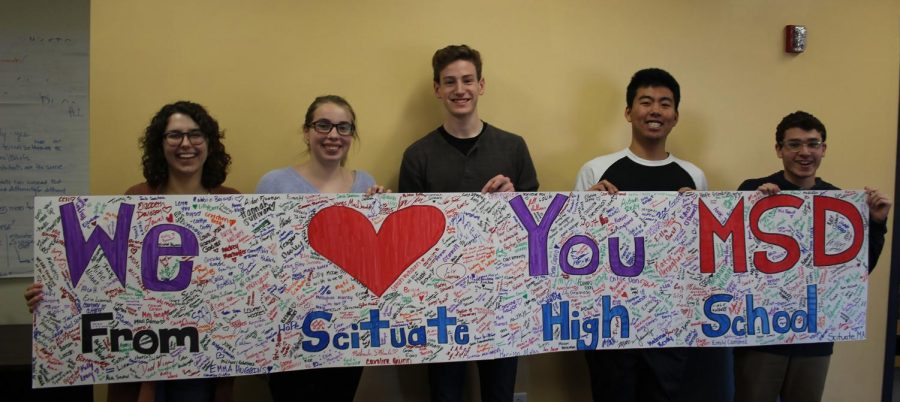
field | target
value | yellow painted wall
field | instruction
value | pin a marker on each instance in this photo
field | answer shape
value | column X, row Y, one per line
column 556, row 74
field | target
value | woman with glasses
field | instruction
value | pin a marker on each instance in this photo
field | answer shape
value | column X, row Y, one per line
column 328, row 131
column 183, row 154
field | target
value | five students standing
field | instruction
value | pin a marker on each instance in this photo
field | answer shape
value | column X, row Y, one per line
column 466, row 154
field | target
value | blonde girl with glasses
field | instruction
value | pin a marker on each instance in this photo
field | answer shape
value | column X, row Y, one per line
column 329, row 130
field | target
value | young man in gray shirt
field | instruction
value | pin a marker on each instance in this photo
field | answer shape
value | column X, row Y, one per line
column 466, row 154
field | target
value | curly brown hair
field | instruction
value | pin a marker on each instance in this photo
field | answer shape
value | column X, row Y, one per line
column 156, row 169
column 801, row 120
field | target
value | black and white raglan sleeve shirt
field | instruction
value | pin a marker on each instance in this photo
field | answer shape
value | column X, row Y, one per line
column 628, row 172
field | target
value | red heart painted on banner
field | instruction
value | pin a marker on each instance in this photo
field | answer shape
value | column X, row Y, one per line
column 347, row 238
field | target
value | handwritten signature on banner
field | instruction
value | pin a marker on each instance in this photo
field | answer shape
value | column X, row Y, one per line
column 166, row 287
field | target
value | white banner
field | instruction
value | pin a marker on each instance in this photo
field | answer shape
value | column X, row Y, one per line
column 166, row 287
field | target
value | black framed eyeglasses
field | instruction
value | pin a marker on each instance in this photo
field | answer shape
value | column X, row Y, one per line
column 325, row 126
column 195, row 137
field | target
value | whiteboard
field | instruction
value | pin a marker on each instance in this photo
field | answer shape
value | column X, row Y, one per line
column 44, row 54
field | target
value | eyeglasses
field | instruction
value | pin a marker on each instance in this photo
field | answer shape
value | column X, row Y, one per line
column 325, row 126
column 794, row 146
column 174, row 138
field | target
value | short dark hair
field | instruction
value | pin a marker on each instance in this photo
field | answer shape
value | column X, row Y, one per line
column 156, row 169
column 801, row 120
column 652, row 77
column 443, row 57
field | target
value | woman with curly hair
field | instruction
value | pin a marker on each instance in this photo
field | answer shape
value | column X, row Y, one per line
column 183, row 154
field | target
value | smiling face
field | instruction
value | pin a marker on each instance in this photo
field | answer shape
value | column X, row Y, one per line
column 329, row 147
column 459, row 87
column 801, row 152
column 652, row 114
column 184, row 159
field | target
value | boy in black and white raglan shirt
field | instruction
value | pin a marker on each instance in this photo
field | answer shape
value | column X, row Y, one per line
column 653, row 96
column 652, row 100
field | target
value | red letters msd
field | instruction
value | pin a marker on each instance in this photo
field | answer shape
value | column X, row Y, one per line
column 735, row 225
